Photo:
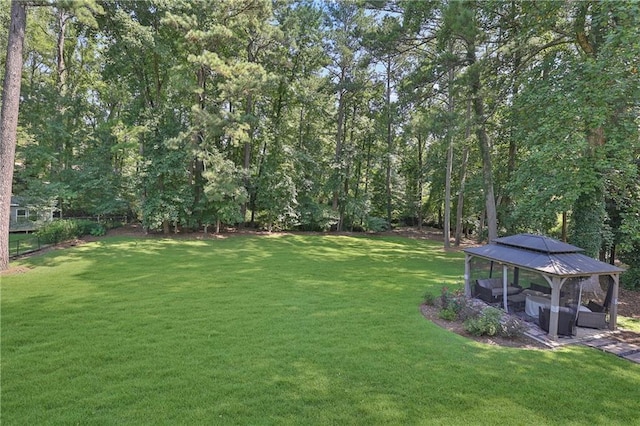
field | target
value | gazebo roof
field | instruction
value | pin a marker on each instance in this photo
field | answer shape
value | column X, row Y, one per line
column 544, row 255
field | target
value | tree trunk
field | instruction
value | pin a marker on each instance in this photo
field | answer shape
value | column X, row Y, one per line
column 463, row 176
column 248, row 145
column 589, row 211
column 389, row 142
column 449, row 171
column 338, row 152
column 484, row 144
column 63, row 17
column 420, row 183
column 197, row 166
column 9, row 121
column 460, row 206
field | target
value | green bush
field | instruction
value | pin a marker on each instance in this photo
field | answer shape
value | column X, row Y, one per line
column 98, row 230
column 429, row 299
column 89, row 227
column 453, row 300
column 487, row 323
column 58, row 231
column 68, row 229
column 376, row 224
column 630, row 279
column 448, row 314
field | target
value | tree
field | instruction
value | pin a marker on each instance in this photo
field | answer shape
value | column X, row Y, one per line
column 346, row 21
column 577, row 119
column 9, row 120
column 224, row 191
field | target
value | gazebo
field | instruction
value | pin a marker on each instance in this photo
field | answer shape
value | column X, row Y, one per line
column 526, row 257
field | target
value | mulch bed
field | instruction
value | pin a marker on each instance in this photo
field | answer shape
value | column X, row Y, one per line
column 523, row 342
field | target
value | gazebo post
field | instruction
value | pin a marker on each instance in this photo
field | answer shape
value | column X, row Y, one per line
column 467, row 273
column 556, row 283
column 505, row 283
column 613, row 305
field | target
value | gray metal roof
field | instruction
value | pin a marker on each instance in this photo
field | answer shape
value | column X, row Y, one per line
column 544, row 255
column 537, row 243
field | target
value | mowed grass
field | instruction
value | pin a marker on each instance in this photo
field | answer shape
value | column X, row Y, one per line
column 274, row 330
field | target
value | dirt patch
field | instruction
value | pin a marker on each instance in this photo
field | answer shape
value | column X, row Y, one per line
column 522, row 342
column 15, row 270
column 627, row 336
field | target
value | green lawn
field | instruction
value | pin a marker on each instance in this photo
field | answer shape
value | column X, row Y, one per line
column 274, row 330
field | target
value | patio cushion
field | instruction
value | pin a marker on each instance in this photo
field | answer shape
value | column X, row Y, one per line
column 594, row 307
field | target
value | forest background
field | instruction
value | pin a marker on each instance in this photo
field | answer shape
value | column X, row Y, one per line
column 489, row 117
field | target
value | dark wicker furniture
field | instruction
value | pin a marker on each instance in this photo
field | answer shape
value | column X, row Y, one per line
column 491, row 289
column 566, row 320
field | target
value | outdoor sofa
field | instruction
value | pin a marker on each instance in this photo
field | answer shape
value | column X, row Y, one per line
column 491, row 289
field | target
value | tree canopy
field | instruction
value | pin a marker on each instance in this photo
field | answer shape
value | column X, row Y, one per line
column 350, row 115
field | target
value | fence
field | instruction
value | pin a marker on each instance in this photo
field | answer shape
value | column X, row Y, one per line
column 20, row 244
column 23, row 243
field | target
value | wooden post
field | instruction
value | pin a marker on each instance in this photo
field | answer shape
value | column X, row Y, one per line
column 556, row 283
column 505, row 283
column 467, row 274
column 613, row 305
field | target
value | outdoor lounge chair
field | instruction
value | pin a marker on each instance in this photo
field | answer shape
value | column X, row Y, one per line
column 490, row 290
column 566, row 320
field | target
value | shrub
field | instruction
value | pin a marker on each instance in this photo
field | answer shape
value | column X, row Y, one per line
column 89, row 227
column 631, row 278
column 487, row 323
column 58, row 231
column 468, row 311
column 376, row 224
column 630, row 256
column 429, row 299
column 453, row 300
column 448, row 314
column 68, row 229
column 98, row 230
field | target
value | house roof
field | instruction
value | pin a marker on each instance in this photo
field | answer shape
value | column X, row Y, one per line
column 544, row 255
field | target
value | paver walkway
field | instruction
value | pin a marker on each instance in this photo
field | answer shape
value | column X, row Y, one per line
column 599, row 339
column 624, row 350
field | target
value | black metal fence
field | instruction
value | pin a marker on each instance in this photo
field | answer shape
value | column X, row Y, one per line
column 21, row 244
column 25, row 243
